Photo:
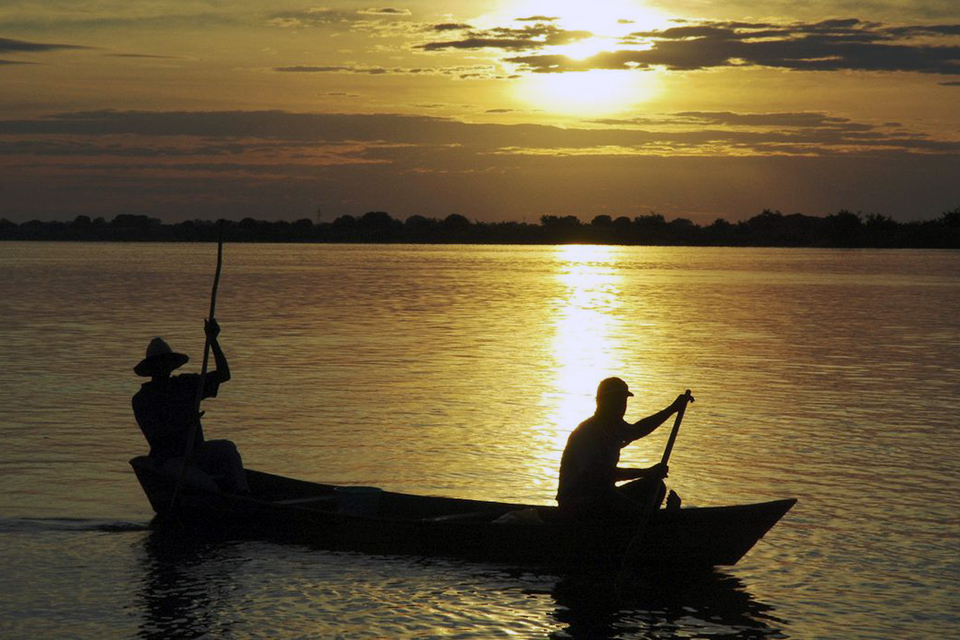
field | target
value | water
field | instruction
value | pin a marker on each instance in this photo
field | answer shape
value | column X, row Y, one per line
column 827, row 375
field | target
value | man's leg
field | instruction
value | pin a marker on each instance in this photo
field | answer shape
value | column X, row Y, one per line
column 643, row 489
column 613, row 505
column 193, row 477
column 221, row 458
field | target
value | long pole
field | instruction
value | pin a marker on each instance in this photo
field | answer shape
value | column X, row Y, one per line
column 688, row 398
column 630, row 557
column 192, row 435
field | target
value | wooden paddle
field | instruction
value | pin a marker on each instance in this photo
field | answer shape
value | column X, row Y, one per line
column 633, row 549
column 192, row 436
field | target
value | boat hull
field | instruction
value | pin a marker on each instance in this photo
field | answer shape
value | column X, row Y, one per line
column 289, row 509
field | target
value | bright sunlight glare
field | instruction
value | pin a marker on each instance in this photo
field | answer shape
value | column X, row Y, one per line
column 585, row 344
column 595, row 92
column 587, row 93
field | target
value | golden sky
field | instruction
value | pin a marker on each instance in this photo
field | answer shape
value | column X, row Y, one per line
column 494, row 110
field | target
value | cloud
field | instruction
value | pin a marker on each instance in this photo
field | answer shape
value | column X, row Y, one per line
column 460, row 72
column 900, row 10
column 829, row 45
column 451, row 26
column 785, row 119
column 8, row 45
column 778, row 133
column 207, row 164
column 333, row 69
column 143, row 55
column 718, row 133
column 926, row 30
column 538, row 19
column 322, row 16
column 384, row 11
column 13, row 62
column 531, row 37
column 309, row 18
column 57, row 17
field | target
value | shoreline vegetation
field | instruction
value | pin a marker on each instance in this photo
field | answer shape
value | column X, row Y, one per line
column 768, row 229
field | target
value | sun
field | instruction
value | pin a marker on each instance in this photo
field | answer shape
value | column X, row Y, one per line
column 596, row 92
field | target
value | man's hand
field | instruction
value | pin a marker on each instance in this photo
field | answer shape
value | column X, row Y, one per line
column 660, row 470
column 681, row 399
column 211, row 328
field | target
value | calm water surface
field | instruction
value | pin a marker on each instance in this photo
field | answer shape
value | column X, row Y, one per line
column 827, row 375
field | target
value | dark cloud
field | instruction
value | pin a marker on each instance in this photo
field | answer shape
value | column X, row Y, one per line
column 829, row 45
column 13, row 62
column 480, row 43
column 451, row 26
column 317, row 17
column 206, row 164
column 684, row 132
column 792, row 120
column 142, row 55
column 538, row 19
column 800, row 119
column 384, row 11
column 72, row 148
column 310, row 18
column 8, row 45
column 83, row 21
column 481, row 71
column 528, row 38
column 333, row 69
column 926, row 30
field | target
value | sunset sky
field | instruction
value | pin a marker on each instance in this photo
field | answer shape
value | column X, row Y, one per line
column 495, row 110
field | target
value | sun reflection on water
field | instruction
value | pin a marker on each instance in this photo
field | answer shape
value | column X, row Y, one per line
column 586, row 348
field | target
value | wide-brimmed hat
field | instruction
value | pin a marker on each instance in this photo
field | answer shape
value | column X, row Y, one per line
column 160, row 357
column 613, row 387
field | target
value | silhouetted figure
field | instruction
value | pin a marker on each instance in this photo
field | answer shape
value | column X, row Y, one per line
column 165, row 409
column 589, row 471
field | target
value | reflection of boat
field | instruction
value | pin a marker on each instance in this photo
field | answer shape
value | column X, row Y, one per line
column 663, row 604
column 424, row 525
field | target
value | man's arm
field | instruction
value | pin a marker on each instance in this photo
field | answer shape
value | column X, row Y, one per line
column 645, row 426
column 212, row 330
column 624, row 473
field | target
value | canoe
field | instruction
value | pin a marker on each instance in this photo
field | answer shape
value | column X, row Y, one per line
column 344, row 518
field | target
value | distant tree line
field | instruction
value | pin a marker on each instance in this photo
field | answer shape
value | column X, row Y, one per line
column 768, row 229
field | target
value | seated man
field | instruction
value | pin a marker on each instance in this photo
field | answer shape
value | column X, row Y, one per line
column 165, row 408
column 589, row 471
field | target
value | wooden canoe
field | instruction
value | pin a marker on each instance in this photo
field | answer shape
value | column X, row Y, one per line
column 290, row 509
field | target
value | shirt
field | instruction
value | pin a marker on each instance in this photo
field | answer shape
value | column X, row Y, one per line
column 591, row 456
column 166, row 410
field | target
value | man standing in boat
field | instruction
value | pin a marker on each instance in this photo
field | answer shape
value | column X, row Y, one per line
column 165, row 409
column 589, row 471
